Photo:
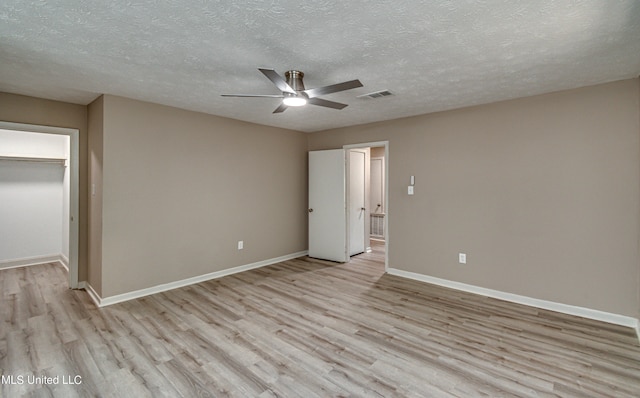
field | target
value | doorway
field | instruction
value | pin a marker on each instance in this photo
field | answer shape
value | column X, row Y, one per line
column 71, row 202
column 367, row 224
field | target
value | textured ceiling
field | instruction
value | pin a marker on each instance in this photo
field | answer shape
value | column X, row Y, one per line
column 433, row 55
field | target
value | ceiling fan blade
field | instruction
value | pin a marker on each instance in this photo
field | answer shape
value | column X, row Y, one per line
column 281, row 108
column 253, row 95
column 334, row 88
column 277, row 80
column 325, row 103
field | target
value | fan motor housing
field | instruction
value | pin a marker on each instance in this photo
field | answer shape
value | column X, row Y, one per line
column 294, row 79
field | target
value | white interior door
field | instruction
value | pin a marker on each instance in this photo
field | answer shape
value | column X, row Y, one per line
column 377, row 185
column 327, row 205
column 357, row 210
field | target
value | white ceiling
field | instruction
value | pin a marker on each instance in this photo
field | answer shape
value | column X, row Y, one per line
column 433, row 55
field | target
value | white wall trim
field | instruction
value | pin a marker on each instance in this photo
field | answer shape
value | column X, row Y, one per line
column 64, row 261
column 105, row 301
column 95, row 297
column 597, row 315
column 36, row 260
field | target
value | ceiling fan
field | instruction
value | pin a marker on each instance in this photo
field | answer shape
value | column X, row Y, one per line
column 294, row 92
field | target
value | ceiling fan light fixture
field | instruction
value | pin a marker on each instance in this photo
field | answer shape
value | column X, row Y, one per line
column 294, row 101
column 295, row 94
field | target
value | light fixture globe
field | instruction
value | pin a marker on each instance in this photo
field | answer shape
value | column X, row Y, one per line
column 294, row 100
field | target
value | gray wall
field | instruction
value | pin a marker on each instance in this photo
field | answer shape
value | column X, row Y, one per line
column 180, row 189
column 541, row 193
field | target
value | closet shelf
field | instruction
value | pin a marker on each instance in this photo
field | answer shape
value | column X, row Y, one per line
column 60, row 161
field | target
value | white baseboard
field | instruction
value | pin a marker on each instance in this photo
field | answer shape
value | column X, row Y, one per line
column 597, row 315
column 105, row 301
column 64, row 260
column 27, row 261
column 92, row 293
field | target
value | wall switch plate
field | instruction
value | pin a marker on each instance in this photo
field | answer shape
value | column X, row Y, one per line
column 462, row 258
column 240, row 244
column 410, row 190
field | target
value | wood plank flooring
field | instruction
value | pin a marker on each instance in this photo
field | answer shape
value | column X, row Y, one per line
column 302, row 328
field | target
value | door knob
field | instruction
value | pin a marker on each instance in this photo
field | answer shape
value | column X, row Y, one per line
column 363, row 209
column 310, row 210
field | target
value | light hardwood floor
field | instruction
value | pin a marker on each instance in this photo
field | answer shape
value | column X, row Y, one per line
column 303, row 328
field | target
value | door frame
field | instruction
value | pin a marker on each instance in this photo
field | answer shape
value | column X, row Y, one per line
column 74, row 190
column 376, row 144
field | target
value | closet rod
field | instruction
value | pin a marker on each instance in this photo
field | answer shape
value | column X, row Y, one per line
column 61, row 161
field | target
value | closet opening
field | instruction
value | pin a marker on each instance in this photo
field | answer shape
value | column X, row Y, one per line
column 39, row 179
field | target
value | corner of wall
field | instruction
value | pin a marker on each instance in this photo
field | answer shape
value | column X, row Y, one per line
column 95, row 126
column 638, row 216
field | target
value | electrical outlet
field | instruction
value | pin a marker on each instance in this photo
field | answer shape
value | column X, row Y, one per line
column 462, row 258
column 240, row 244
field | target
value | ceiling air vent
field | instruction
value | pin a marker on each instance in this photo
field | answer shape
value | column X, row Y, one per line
column 376, row 94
